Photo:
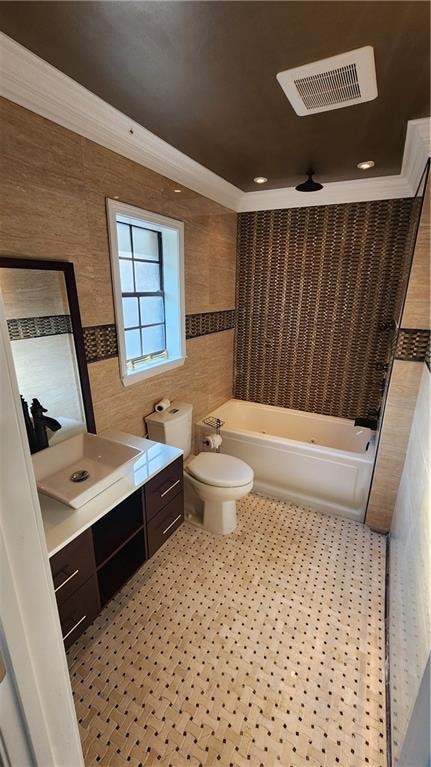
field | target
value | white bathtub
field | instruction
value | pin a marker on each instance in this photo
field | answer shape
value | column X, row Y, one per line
column 315, row 460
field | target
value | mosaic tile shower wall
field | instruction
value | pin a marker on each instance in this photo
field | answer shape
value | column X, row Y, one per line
column 316, row 296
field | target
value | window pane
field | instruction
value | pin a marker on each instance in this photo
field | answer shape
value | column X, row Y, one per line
column 145, row 244
column 147, row 276
column 126, row 276
column 133, row 344
column 130, row 312
column 151, row 310
column 124, row 245
column 153, row 339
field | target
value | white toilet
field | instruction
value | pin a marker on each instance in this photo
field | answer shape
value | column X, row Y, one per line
column 217, row 480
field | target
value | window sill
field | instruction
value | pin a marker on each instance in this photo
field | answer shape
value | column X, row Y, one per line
column 156, row 369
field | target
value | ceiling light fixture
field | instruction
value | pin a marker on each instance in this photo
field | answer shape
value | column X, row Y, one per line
column 366, row 165
column 178, row 191
column 260, row 180
column 310, row 185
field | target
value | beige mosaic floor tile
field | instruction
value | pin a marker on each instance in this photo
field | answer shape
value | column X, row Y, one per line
column 262, row 648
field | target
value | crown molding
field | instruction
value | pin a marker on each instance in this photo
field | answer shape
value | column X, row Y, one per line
column 333, row 193
column 417, row 150
column 36, row 85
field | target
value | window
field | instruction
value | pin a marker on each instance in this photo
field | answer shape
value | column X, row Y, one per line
column 147, row 273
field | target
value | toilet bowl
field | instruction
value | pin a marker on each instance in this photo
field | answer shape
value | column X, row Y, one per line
column 219, row 481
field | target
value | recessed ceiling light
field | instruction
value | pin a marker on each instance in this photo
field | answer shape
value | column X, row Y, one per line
column 178, row 191
column 260, row 180
column 366, row 165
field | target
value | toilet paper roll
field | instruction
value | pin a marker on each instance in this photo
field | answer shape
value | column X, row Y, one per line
column 213, row 441
column 161, row 406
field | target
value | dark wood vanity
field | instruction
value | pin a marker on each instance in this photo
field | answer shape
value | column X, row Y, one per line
column 97, row 547
column 89, row 570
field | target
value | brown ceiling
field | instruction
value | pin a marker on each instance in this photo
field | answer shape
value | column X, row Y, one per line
column 201, row 75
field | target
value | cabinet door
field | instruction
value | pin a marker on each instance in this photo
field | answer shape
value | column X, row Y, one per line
column 72, row 566
column 78, row 611
column 160, row 490
column 161, row 527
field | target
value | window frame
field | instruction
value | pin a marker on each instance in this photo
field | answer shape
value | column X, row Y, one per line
column 171, row 238
column 138, row 294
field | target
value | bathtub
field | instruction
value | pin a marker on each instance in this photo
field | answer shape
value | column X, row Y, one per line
column 318, row 461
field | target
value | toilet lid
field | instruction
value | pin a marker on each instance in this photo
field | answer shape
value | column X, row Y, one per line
column 220, row 470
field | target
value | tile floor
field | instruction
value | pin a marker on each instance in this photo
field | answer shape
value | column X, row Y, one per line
column 262, row 648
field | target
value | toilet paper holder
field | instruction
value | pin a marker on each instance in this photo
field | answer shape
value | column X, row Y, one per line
column 213, row 441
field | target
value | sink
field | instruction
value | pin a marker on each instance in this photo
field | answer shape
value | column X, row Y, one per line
column 76, row 470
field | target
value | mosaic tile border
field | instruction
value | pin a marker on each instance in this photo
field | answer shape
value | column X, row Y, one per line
column 100, row 341
column 38, row 327
column 204, row 323
column 412, row 345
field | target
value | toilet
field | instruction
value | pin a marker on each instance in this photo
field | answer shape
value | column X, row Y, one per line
column 215, row 479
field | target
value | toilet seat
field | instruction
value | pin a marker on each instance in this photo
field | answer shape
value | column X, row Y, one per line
column 220, row 470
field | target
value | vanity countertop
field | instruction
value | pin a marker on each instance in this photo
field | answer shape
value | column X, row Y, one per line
column 62, row 524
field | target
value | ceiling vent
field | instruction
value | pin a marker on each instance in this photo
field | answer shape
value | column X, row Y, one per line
column 340, row 81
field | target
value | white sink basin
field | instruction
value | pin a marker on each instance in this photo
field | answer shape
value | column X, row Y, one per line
column 95, row 462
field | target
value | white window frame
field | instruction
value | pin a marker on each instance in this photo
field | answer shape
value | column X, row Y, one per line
column 172, row 232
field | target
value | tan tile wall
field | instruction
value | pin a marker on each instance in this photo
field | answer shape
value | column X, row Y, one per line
column 35, row 293
column 416, row 312
column 54, row 184
column 403, row 388
column 400, row 407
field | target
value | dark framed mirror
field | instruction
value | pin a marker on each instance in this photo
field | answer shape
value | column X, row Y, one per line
column 44, row 323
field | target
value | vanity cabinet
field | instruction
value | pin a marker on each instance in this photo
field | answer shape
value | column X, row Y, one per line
column 88, row 571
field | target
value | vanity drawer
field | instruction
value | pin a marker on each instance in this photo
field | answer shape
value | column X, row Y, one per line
column 160, row 490
column 78, row 611
column 161, row 527
column 72, row 566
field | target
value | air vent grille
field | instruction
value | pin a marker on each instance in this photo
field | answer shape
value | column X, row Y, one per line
column 329, row 88
column 340, row 81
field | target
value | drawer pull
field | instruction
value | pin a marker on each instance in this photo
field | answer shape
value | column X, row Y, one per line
column 170, row 488
column 172, row 523
column 66, row 581
column 74, row 627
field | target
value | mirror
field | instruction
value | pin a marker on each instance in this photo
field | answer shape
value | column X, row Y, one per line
column 42, row 313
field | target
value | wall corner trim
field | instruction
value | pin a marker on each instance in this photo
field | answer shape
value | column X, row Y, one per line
column 34, row 84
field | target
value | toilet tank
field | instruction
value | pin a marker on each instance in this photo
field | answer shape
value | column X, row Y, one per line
column 173, row 426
